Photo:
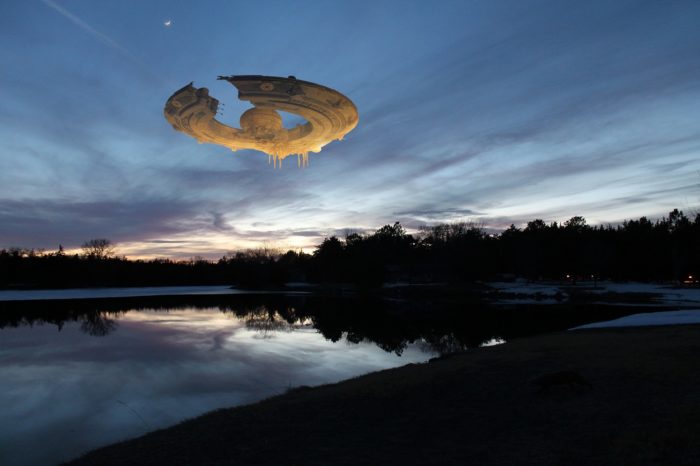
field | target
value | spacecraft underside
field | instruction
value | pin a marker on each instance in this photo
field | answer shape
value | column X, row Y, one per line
column 329, row 116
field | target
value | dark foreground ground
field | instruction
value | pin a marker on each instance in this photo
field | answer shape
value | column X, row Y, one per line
column 482, row 407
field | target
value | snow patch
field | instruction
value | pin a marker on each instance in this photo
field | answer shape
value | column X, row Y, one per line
column 666, row 294
column 649, row 318
column 525, row 288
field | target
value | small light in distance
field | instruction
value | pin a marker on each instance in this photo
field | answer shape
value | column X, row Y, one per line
column 167, row 23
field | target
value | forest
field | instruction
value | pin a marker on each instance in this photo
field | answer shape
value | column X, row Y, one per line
column 667, row 249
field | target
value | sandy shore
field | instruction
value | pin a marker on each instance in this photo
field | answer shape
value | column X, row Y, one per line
column 636, row 402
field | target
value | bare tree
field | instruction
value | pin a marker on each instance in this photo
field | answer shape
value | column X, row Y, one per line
column 98, row 248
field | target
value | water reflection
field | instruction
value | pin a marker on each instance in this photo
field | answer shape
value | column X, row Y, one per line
column 267, row 321
column 80, row 374
column 105, row 377
column 441, row 326
column 97, row 324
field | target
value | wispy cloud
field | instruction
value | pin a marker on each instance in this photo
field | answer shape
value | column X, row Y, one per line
column 493, row 112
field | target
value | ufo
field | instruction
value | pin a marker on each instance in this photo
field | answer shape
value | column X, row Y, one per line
column 329, row 116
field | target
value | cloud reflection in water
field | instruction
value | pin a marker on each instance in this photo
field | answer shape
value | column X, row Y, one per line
column 71, row 391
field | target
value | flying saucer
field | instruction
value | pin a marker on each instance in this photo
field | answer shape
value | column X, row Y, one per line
column 329, row 116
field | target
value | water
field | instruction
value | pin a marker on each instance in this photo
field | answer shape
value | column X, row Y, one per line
column 89, row 293
column 79, row 374
column 117, row 376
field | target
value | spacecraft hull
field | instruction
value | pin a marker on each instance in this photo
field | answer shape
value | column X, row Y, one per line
column 329, row 115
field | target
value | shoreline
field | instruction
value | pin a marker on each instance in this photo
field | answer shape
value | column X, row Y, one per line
column 512, row 292
column 638, row 406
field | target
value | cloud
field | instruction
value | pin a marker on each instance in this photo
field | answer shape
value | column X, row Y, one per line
column 44, row 222
column 220, row 223
column 441, row 214
column 488, row 111
column 165, row 366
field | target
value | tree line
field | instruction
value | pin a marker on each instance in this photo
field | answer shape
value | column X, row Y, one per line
column 644, row 250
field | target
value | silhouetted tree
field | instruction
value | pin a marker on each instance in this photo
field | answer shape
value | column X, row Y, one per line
column 98, row 248
column 329, row 261
column 665, row 249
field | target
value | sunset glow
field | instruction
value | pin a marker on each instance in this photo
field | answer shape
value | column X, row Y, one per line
column 489, row 112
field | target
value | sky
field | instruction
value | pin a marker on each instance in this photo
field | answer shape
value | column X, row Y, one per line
column 493, row 112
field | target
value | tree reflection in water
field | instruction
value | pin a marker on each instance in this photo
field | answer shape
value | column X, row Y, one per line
column 439, row 325
column 266, row 322
column 97, row 324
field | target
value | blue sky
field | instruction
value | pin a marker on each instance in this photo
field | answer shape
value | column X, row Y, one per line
column 495, row 112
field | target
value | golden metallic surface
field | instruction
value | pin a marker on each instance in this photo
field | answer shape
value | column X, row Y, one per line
column 329, row 115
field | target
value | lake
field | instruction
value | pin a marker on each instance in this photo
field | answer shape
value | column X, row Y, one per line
column 81, row 373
